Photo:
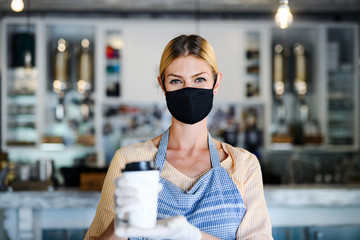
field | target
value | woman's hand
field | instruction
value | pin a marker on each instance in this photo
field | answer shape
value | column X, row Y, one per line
column 109, row 234
column 176, row 228
column 125, row 198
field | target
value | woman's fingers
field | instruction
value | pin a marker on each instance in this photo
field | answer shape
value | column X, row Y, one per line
column 125, row 197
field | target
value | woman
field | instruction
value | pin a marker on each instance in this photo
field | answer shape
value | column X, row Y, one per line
column 220, row 185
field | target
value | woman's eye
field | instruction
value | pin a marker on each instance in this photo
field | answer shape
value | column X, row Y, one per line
column 175, row 81
column 200, row 80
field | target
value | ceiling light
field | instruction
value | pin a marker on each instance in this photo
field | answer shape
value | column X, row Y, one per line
column 283, row 17
column 17, row 5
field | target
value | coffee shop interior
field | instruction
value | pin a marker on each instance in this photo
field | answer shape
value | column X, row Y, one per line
column 79, row 81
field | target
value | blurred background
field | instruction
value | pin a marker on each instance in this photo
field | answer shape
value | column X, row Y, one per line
column 79, row 81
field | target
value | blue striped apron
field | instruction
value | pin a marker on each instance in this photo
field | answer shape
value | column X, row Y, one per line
column 213, row 204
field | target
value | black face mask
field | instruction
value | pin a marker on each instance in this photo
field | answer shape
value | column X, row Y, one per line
column 190, row 105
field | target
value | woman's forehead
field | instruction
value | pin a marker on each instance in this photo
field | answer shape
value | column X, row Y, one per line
column 187, row 64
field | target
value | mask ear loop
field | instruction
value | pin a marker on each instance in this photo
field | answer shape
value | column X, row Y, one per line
column 163, row 85
column 215, row 80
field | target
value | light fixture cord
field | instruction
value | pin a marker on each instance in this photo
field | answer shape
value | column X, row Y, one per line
column 28, row 15
column 197, row 8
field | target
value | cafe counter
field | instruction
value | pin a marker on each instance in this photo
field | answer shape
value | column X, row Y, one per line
column 27, row 214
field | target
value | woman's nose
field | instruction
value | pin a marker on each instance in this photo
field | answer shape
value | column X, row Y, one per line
column 187, row 84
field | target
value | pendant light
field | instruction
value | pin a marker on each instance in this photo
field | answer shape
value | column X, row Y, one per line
column 17, row 5
column 283, row 17
column 28, row 55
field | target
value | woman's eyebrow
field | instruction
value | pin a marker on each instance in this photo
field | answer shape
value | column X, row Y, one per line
column 178, row 76
column 198, row 74
column 173, row 75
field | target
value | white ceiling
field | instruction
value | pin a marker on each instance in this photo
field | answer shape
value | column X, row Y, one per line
column 187, row 6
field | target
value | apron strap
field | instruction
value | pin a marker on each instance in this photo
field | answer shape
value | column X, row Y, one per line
column 161, row 154
column 214, row 154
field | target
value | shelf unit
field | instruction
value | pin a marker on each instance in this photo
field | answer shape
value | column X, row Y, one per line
column 342, row 86
column 329, row 49
column 19, row 92
column 126, row 55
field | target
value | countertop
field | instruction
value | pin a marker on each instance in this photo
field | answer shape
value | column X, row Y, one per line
column 65, row 198
column 313, row 205
column 275, row 195
column 288, row 205
column 312, row 195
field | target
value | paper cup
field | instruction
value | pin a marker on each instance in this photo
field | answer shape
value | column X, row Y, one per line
column 145, row 179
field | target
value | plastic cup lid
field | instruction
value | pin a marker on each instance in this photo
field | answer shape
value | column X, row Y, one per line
column 139, row 166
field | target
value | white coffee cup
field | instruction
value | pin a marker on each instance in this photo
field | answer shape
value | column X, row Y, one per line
column 144, row 177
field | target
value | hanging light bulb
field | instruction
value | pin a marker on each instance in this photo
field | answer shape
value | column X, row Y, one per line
column 17, row 5
column 283, row 17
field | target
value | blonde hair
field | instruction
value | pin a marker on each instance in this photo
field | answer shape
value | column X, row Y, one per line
column 185, row 45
